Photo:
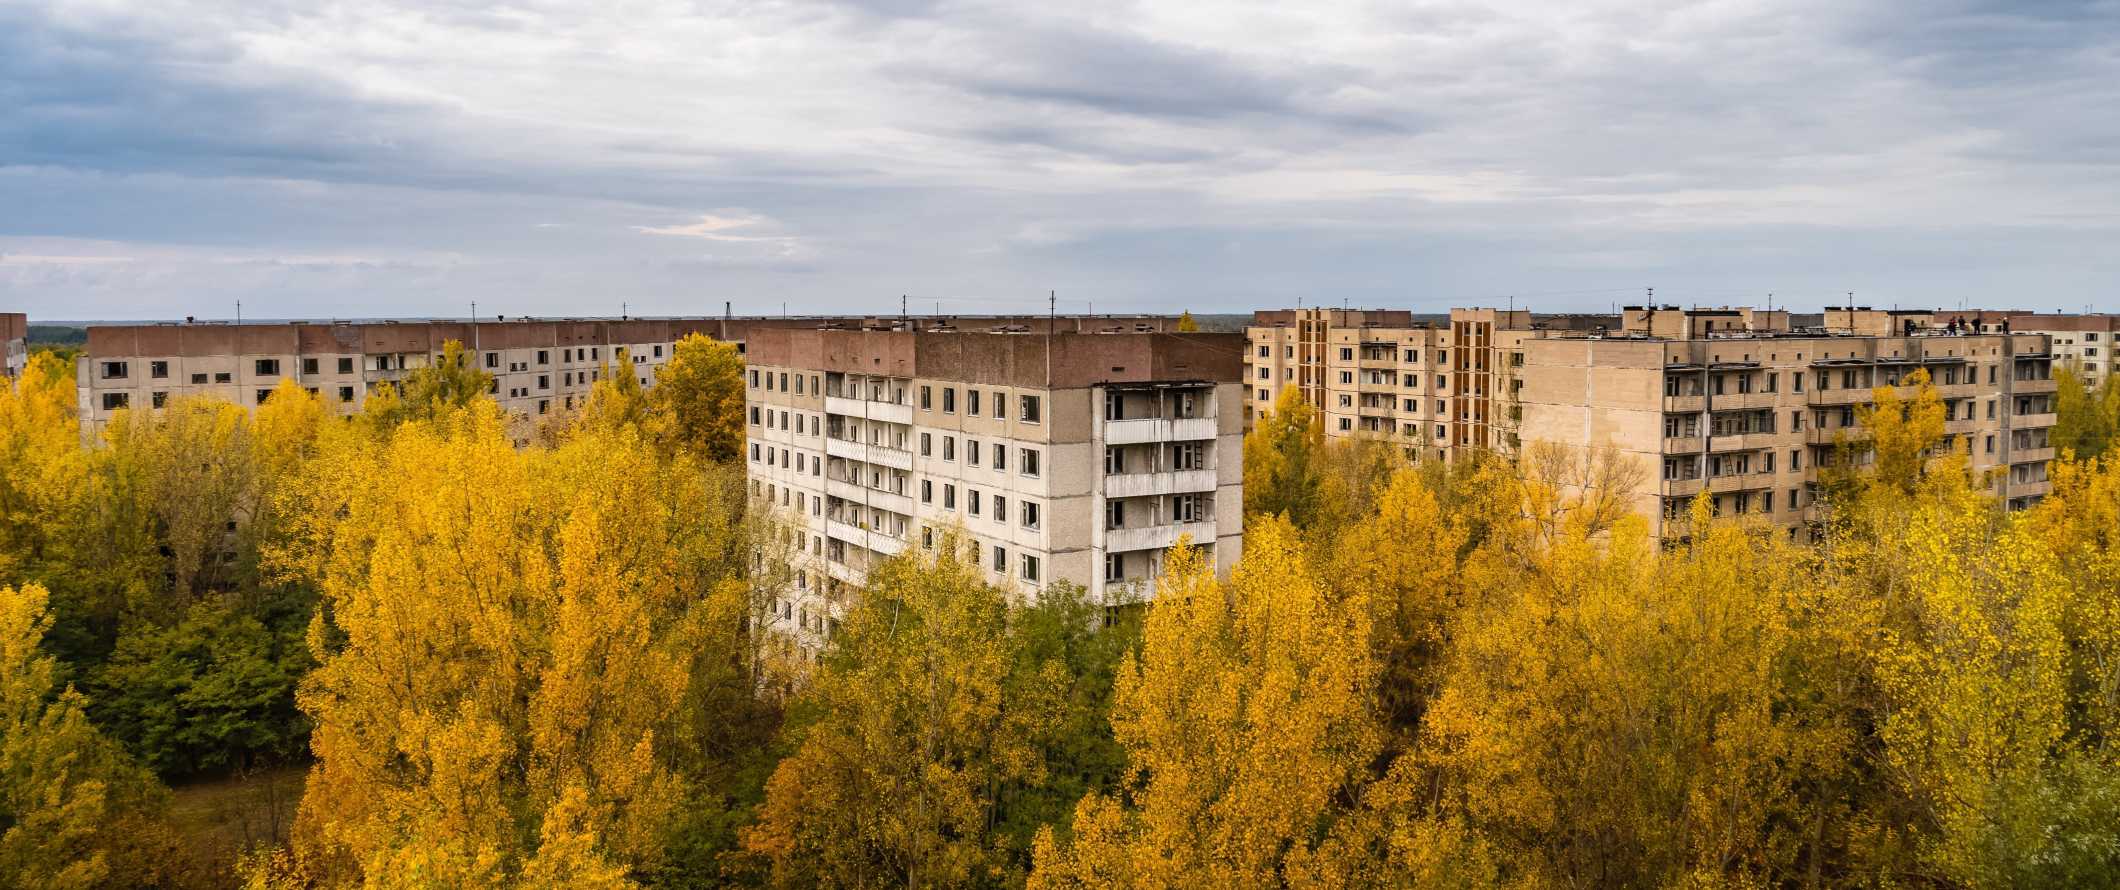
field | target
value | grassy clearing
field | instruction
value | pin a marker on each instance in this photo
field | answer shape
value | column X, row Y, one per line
column 220, row 819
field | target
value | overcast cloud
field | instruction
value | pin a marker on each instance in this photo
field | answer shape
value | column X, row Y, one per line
column 406, row 158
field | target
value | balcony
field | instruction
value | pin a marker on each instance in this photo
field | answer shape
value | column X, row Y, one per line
column 2031, row 421
column 1738, row 401
column 2030, row 387
column 1685, row 404
column 2031, row 455
column 1856, row 396
column 875, row 454
column 1153, row 537
column 886, row 412
column 1141, row 485
column 871, row 497
column 2030, row 489
column 1682, row 488
column 1158, row 429
column 1682, row 444
column 1822, row 436
column 1961, row 426
column 1751, row 441
column 864, row 538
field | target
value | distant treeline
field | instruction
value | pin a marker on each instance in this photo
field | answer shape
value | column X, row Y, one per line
column 57, row 335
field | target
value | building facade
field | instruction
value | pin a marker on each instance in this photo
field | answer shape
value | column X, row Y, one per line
column 1079, row 457
column 14, row 344
column 2083, row 343
column 1441, row 386
column 539, row 366
column 1721, row 401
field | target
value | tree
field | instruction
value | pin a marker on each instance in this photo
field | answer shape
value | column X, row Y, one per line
column 45, row 469
column 452, row 380
column 1619, row 718
column 513, row 646
column 75, row 812
column 1246, row 720
column 2085, row 419
column 698, row 399
column 946, row 725
column 1280, row 460
column 1186, row 324
column 1404, row 559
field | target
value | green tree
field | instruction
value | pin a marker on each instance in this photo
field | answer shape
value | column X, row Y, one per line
column 946, row 725
column 75, row 811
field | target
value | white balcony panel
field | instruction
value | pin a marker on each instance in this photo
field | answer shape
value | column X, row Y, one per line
column 1140, row 485
column 1158, row 429
column 1157, row 536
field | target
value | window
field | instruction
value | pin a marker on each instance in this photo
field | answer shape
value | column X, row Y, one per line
column 1188, row 508
column 926, row 399
column 345, row 393
column 927, row 445
column 971, row 452
column 112, row 401
column 197, row 379
column 1188, row 456
column 1030, row 515
column 1030, row 568
column 754, row 378
column 1029, row 461
column 658, row 354
column 1030, row 413
column 158, row 397
column 544, row 405
column 927, row 538
column 268, row 367
column 1346, row 354
column 544, row 381
column 949, row 497
column 1115, row 563
column 971, row 403
column 346, row 365
column 493, row 359
column 544, row 357
column 971, row 501
column 927, row 491
column 114, row 370
column 1114, row 460
column 1114, row 514
column 223, row 377
column 1766, row 502
column 1346, row 376
column 949, row 446
column 1000, row 458
column 158, row 370
column 1000, row 559
column 1000, row 509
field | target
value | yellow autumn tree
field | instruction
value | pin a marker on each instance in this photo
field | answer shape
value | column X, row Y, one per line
column 1281, row 460
column 698, row 400
column 1186, row 324
column 44, row 468
column 1247, row 723
column 512, row 647
column 1406, row 561
column 1621, row 719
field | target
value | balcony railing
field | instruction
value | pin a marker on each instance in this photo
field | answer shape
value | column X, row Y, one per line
column 1158, row 429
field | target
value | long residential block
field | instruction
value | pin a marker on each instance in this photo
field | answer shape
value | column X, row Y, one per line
column 1079, row 457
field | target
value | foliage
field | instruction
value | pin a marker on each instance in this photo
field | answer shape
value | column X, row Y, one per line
column 698, row 401
column 948, row 724
column 1281, row 476
column 451, row 381
column 1246, row 721
column 2086, row 419
column 75, row 811
column 513, row 651
column 1186, row 324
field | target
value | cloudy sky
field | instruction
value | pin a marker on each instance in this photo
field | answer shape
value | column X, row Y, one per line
column 406, row 158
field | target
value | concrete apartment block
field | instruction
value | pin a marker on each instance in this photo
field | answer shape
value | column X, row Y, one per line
column 1726, row 402
column 1441, row 386
column 539, row 365
column 14, row 344
column 1076, row 457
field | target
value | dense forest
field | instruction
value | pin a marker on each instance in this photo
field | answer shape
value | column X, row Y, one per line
column 545, row 667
